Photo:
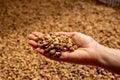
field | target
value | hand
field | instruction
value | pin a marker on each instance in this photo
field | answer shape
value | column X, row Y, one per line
column 87, row 53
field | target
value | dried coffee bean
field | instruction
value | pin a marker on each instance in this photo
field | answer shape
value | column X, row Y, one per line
column 71, row 49
column 57, row 46
column 50, row 41
column 45, row 44
column 64, row 49
column 40, row 45
column 52, row 52
column 38, row 38
column 75, row 46
column 61, row 47
column 40, row 42
column 49, row 48
column 69, row 45
column 57, row 54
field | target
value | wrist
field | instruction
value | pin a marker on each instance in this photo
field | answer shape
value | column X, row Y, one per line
column 110, row 59
column 102, row 55
column 106, row 57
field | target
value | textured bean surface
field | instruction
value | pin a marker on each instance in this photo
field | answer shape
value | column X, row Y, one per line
column 18, row 18
column 52, row 44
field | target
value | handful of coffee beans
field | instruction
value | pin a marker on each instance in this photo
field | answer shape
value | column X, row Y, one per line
column 55, row 44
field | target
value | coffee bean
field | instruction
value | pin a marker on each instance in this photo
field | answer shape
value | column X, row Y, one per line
column 52, row 52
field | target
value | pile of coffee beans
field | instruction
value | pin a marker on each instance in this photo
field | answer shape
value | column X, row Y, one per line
column 55, row 44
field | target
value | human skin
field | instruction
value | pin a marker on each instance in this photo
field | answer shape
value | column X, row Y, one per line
column 89, row 52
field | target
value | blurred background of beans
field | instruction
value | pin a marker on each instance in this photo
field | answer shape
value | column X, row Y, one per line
column 18, row 18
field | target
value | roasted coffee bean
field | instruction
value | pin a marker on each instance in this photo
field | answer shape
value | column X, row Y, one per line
column 52, row 52
column 71, row 49
column 57, row 54
column 39, row 45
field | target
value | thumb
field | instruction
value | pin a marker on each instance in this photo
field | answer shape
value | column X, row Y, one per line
column 81, row 39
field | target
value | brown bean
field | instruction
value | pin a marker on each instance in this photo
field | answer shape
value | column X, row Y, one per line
column 71, row 49
column 57, row 54
column 52, row 52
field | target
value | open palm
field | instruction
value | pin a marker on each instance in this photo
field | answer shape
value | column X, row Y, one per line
column 85, row 54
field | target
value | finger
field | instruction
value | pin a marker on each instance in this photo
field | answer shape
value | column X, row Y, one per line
column 37, row 34
column 42, row 52
column 32, row 37
column 32, row 43
column 64, row 56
